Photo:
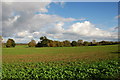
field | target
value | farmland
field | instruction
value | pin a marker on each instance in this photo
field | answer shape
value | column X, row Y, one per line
column 85, row 62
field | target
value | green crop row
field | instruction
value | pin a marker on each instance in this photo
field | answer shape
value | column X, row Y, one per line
column 104, row 70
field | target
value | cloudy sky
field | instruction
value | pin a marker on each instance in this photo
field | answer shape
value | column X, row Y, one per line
column 24, row 21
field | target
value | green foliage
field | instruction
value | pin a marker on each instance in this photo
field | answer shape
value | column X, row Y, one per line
column 105, row 70
column 102, row 69
column 86, row 43
column 74, row 43
column 44, row 42
column 43, row 37
column 10, row 43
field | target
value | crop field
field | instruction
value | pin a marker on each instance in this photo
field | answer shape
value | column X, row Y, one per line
column 84, row 63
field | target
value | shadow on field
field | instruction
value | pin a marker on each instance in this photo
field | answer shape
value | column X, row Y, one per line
column 116, row 52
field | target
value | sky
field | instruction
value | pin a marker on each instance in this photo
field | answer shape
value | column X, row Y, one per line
column 24, row 21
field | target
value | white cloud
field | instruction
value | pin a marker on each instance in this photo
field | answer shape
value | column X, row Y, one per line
column 22, row 34
column 29, row 21
column 84, row 30
column 11, row 20
column 26, row 11
column 88, row 29
column 81, row 30
column 58, row 28
column 21, row 23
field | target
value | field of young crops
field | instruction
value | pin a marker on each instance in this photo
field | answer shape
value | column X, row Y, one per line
column 84, row 63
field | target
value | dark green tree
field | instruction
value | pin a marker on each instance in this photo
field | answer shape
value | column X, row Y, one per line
column 43, row 38
column 74, row 43
column 44, row 42
column 10, row 43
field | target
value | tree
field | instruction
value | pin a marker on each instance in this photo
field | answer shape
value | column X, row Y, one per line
column 52, row 43
column 1, row 41
column 86, row 43
column 43, row 38
column 103, row 42
column 44, row 42
column 80, row 42
column 32, row 43
column 74, row 43
column 93, row 41
column 61, row 44
column 67, row 43
column 10, row 43
column 38, row 44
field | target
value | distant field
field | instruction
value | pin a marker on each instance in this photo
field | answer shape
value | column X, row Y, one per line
column 25, row 54
column 85, row 62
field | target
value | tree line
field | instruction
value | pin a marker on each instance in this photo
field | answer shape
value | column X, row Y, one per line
column 45, row 42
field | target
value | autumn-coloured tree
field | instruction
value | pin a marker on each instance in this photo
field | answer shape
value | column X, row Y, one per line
column 32, row 43
column 80, row 42
column 51, row 43
column 45, row 42
column 67, row 43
